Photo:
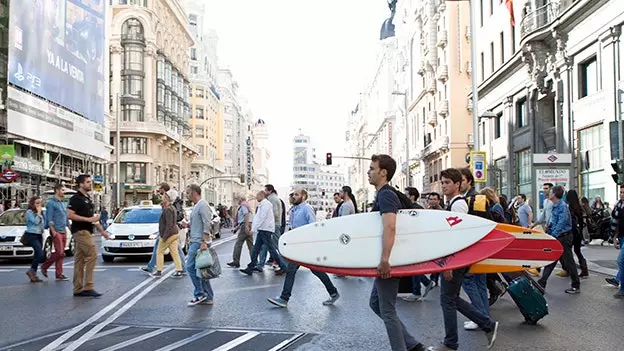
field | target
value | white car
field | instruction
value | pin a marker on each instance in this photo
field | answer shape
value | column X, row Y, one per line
column 13, row 226
column 133, row 233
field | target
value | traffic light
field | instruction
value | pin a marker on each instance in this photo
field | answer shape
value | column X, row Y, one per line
column 618, row 167
column 328, row 158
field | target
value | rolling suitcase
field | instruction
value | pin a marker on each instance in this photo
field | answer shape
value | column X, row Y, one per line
column 509, row 277
column 529, row 300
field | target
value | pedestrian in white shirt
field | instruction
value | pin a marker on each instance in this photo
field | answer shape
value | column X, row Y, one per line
column 264, row 225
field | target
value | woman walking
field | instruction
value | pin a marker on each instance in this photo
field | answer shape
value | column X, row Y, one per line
column 34, row 235
column 576, row 212
column 169, row 234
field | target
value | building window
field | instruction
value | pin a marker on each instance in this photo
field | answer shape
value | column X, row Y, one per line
column 523, row 169
column 481, row 12
column 133, row 172
column 502, row 48
column 193, row 19
column 193, row 54
column 133, row 57
column 482, row 67
column 498, row 125
column 588, row 71
column 132, row 113
column 199, row 93
column 491, row 7
column 133, row 86
column 501, row 164
column 521, row 113
column 199, row 131
column 513, row 39
column 132, row 29
column 591, row 150
column 492, row 57
column 199, row 112
column 133, row 145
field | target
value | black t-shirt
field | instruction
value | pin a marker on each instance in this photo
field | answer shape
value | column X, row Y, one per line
column 83, row 206
column 387, row 201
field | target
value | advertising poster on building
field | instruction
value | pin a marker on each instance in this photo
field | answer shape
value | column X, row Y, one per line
column 56, row 51
column 555, row 176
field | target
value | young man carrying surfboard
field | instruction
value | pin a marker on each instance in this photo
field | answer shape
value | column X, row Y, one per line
column 451, row 285
column 385, row 287
column 302, row 214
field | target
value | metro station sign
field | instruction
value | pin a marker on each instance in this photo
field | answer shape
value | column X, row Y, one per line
column 9, row 175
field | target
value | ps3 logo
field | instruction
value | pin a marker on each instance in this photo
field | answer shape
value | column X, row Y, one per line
column 345, row 239
column 34, row 80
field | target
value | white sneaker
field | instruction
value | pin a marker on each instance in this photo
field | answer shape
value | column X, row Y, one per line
column 470, row 325
column 411, row 298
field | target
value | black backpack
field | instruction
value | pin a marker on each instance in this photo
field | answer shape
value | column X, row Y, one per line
column 478, row 205
column 406, row 203
column 179, row 207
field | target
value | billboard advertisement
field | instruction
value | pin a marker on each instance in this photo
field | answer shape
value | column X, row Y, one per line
column 56, row 51
column 35, row 118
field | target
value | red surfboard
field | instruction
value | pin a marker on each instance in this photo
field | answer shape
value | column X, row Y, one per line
column 492, row 243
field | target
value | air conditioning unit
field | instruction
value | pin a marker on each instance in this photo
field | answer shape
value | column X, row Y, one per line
column 470, row 140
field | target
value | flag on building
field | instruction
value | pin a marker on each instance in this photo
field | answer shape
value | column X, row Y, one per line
column 509, row 4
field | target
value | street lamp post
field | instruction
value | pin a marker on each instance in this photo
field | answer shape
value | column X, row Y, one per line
column 407, row 157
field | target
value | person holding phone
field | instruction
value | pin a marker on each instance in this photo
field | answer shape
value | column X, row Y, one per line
column 34, row 236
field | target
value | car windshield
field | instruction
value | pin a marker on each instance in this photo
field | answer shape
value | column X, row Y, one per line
column 13, row 218
column 139, row 216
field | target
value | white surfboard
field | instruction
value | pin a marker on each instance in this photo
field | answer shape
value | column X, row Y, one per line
column 355, row 241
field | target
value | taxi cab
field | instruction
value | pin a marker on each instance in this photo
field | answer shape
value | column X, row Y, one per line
column 133, row 232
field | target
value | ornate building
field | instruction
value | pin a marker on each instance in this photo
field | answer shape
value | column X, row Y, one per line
column 150, row 95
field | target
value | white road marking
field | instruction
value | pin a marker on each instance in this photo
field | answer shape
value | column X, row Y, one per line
column 6, row 270
column 100, row 335
column 133, row 270
column 56, row 343
column 241, row 339
column 88, row 335
column 10, row 347
column 137, row 339
column 287, row 342
column 186, row 341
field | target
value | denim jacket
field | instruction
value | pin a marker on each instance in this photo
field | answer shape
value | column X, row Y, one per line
column 34, row 223
column 56, row 215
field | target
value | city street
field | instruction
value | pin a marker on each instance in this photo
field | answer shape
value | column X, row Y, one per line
column 138, row 312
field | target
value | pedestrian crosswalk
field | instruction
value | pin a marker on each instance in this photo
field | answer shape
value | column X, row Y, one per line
column 128, row 337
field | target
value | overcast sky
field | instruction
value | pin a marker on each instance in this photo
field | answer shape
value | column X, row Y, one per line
column 300, row 64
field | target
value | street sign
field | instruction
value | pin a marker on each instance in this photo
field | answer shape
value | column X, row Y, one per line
column 9, row 175
column 478, row 166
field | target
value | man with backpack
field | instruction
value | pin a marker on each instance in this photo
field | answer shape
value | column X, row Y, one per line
column 451, row 285
column 385, row 287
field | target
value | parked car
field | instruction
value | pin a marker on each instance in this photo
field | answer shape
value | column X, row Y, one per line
column 13, row 226
column 133, row 233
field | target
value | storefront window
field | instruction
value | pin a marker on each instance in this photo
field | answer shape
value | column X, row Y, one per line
column 501, row 164
column 591, row 150
column 523, row 169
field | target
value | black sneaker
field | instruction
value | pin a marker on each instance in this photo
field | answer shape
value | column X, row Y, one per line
column 258, row 269
column 613, row 282
column 246, row 271
column 573, row 291
column 233, row 264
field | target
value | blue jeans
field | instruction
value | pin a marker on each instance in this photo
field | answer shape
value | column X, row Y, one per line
column 35, row 241
column 416, row 281
column 152, row 263
column 451, row 303
column 290, row 281
column 263, row 252
column 475, row 286
column 620, row 262
column 202, row 287
column 383, row 303
column 265, row 238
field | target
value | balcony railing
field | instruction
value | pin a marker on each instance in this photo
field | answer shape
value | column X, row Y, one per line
column 540, row 18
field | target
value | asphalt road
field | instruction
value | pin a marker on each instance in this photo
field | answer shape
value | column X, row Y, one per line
column 140, row 313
